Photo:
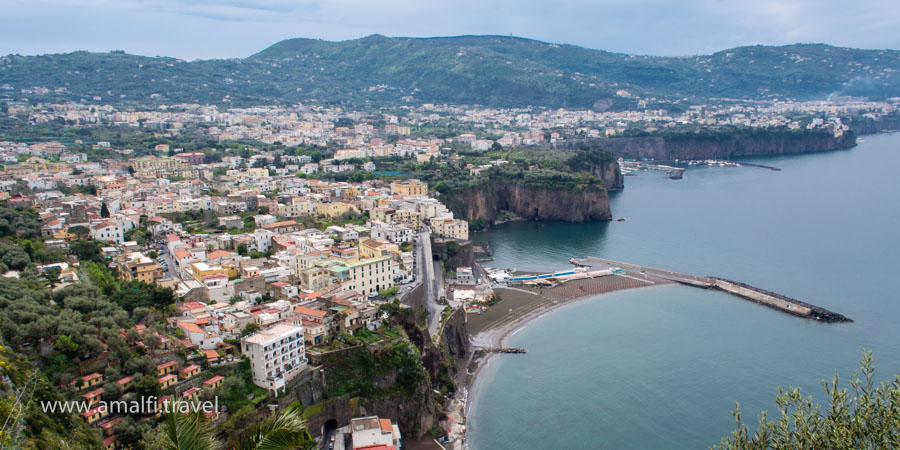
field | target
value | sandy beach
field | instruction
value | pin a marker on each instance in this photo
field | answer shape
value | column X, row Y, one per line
column 518, row 308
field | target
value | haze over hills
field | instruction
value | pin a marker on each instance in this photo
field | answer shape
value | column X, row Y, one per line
column 487, row 70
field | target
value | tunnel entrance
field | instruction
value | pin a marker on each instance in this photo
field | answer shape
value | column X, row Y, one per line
column 328, row 429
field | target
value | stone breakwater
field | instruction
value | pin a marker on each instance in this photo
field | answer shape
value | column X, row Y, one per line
column 771, row 299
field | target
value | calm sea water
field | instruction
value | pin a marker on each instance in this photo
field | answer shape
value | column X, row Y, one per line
column 662, row 367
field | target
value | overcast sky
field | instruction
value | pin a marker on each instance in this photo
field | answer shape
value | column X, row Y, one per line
column 194, row 29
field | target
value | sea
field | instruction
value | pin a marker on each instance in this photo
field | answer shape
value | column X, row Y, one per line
column 664, row 367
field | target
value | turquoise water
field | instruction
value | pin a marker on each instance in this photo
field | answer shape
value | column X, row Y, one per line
column 662, row 367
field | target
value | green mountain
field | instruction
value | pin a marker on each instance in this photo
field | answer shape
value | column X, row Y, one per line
column 486, row 70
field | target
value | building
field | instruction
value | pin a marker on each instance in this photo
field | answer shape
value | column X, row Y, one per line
column 108, row 232
column 365, row 276
column 277, row 355
column 450, row 228
column 137, row 266
column 373, row 432
column 409, row 188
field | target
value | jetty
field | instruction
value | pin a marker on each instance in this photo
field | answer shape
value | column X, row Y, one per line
column 771, row 299
column 502, row 349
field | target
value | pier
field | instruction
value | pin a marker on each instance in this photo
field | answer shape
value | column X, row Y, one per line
column 771, row 299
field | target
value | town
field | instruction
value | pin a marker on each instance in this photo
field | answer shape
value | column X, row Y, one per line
column 247, row 245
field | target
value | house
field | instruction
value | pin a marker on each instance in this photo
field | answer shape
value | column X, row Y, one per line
column 283, row 227
column 108, row 232
column 189, row 371
column 125, row 383
column 167, row 381
column 111, row 443
column 94, row 414
column 191, row 395
column 372, row 431
column 91, row 380
column 214, row 382
column 92, row 396
column 212, row 356
column 165, row 368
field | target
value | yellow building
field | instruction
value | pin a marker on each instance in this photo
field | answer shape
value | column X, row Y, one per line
column 199, row 270
column 167, row 381
column 371, row 248
column 257, row 172
column 335, row 210
column 137, row 266
column 409, row 187
column 409, row 217
column 350, row 193
column 450, row 228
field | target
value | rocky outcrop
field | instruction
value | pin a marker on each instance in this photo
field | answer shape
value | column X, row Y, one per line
column 610, row 174
column 453, row 253
column 530, row 202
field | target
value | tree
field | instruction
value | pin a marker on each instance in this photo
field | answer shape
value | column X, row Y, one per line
column 242, row 249
column 104, row 210
column 250, row 328
column 152, row 341
column 187, row 432
column 51, row 274
column 80, row 231
column 869, row 417
column 127, row 431
column 285, row 431
column 86, row 250
column 111, row 391
column 147, row 386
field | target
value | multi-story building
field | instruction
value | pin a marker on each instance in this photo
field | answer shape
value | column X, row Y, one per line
column 409, row 188
column 277, row 355
column 137, row 266
column 450, row 228
column 365, row 276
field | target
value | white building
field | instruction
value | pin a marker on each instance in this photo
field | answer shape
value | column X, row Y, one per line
column 373, row 431
column 277, row 355
column 108, row 232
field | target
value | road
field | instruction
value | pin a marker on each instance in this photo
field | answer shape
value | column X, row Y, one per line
column 425, row 272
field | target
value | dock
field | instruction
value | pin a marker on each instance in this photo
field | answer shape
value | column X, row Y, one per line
column 767, row 298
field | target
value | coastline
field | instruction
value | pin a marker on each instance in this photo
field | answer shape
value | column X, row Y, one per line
column 497, row 335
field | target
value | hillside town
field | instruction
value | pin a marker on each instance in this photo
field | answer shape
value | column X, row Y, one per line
column 280, row 239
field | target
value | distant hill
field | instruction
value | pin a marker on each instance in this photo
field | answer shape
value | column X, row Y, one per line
column 487, row 70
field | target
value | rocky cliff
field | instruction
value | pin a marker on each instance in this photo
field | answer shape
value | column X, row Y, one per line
column 610, row 174
column 394, row 379
column 719, row 145
column 529, row 201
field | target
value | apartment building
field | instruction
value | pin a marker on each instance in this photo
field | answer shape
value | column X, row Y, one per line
column 366, row 276
column 450, row 228
column 277, row 355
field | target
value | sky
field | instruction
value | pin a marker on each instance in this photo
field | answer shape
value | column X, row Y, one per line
column 203, row 29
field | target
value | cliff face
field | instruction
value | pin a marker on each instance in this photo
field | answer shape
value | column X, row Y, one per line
column 610, row 174
column 725, row 146
column 530, row 202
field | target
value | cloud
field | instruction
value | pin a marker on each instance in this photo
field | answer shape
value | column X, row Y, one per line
column 235, row 28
